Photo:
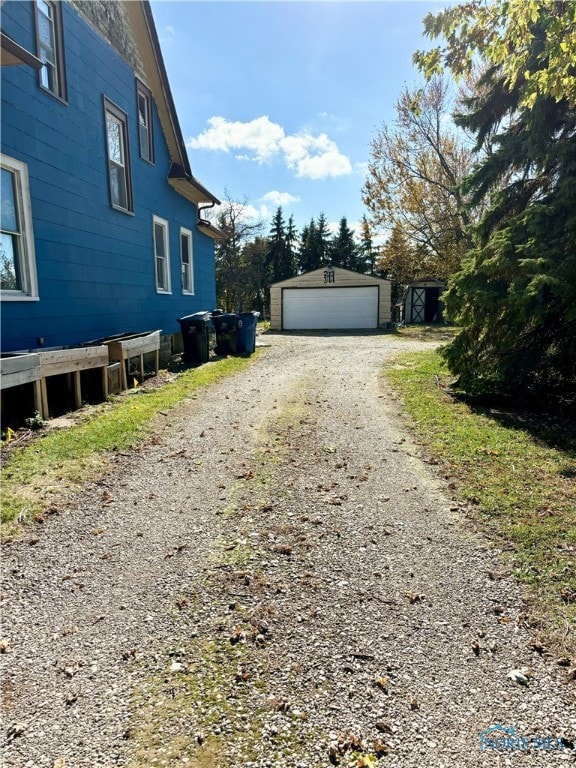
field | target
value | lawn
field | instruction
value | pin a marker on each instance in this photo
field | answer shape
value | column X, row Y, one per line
column 514, row 474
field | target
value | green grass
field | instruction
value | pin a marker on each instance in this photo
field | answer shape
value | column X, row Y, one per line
column 36, row 476
column 516, row 472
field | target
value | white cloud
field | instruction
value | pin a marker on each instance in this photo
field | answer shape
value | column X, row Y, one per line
column 280, row 198
column 305, row 154
column 171, row 31
column 261, row 135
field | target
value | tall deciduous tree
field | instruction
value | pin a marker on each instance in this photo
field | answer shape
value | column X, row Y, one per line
column 516, row 295
column 414, row 177
column 232, row 275
column 398, row 260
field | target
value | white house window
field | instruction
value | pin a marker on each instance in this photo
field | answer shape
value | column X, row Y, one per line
column 144, row 103
column 18, row 280
column 118, row 158
column 50, row 47
column 161, row 255
column 186, row 261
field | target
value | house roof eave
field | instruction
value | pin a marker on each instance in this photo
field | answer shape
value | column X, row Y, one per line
column 182, row 180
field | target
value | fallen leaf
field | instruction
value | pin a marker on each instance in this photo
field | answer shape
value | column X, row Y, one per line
column 571, row 676
column 367, row 761
column 382, row 683
column 71, row 698
column 16, row 729
column 380, row 748
column 413, row 597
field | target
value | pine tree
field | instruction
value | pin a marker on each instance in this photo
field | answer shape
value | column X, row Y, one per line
column 367, row 253
column 343, row 249
column 279, row 259
column 308, row 256
column 516, row 294
column 322, row 241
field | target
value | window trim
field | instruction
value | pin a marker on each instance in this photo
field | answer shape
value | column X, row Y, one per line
column 187, row 291
column 27, row 255
column 156, row 220
column 142, row 90
column 61, row 94
column 122, row 117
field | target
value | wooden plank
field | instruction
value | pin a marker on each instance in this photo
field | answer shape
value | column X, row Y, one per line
column 60, row 361
column 20, row 377
column 17, row 363
column 122, row 349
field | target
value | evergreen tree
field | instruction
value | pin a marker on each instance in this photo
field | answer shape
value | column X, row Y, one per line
column 367, row 253
column 322, row 241
column 516, row 294
column 308, row 254
column 279, row 259
column 343, row 249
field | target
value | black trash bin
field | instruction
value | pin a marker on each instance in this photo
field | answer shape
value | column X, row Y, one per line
column 196, row 330
column 225, row 325
column 246, row 332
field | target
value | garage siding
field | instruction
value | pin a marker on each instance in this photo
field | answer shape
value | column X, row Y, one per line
column 324, row 282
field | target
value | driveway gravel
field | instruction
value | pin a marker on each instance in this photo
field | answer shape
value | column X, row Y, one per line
column 277, row 579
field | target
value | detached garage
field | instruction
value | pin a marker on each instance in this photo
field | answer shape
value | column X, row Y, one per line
column 329, row 298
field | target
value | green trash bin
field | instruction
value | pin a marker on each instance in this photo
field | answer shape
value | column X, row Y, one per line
column 246, row 332
column 196, row 330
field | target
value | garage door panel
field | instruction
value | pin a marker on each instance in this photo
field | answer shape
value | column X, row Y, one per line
column 330, row 308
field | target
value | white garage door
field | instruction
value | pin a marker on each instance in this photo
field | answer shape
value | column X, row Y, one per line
column 325, row 308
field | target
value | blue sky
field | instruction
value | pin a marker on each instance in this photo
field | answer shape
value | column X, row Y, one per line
column 278, row 101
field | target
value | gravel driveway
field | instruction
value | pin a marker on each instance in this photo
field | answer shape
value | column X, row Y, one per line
column 275, row 580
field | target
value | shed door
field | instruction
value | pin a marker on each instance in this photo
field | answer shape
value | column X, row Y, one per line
column 326, row 308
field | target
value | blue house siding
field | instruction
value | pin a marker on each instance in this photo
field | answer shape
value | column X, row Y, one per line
column 95, row 265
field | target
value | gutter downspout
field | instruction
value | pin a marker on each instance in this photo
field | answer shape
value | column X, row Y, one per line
column 204, row 208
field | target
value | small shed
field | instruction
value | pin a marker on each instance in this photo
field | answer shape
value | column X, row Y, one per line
column 421, row 301
column 330, row 298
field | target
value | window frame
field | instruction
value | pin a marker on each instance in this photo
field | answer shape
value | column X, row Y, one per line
column 167, row 288
column 59, row 64
column 146, row 93
column 26, row 250
column 188, row 290
column 115, row 112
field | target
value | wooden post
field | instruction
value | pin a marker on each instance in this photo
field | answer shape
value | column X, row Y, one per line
column 77, row 389
column 44, row 399
column 38, row 398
